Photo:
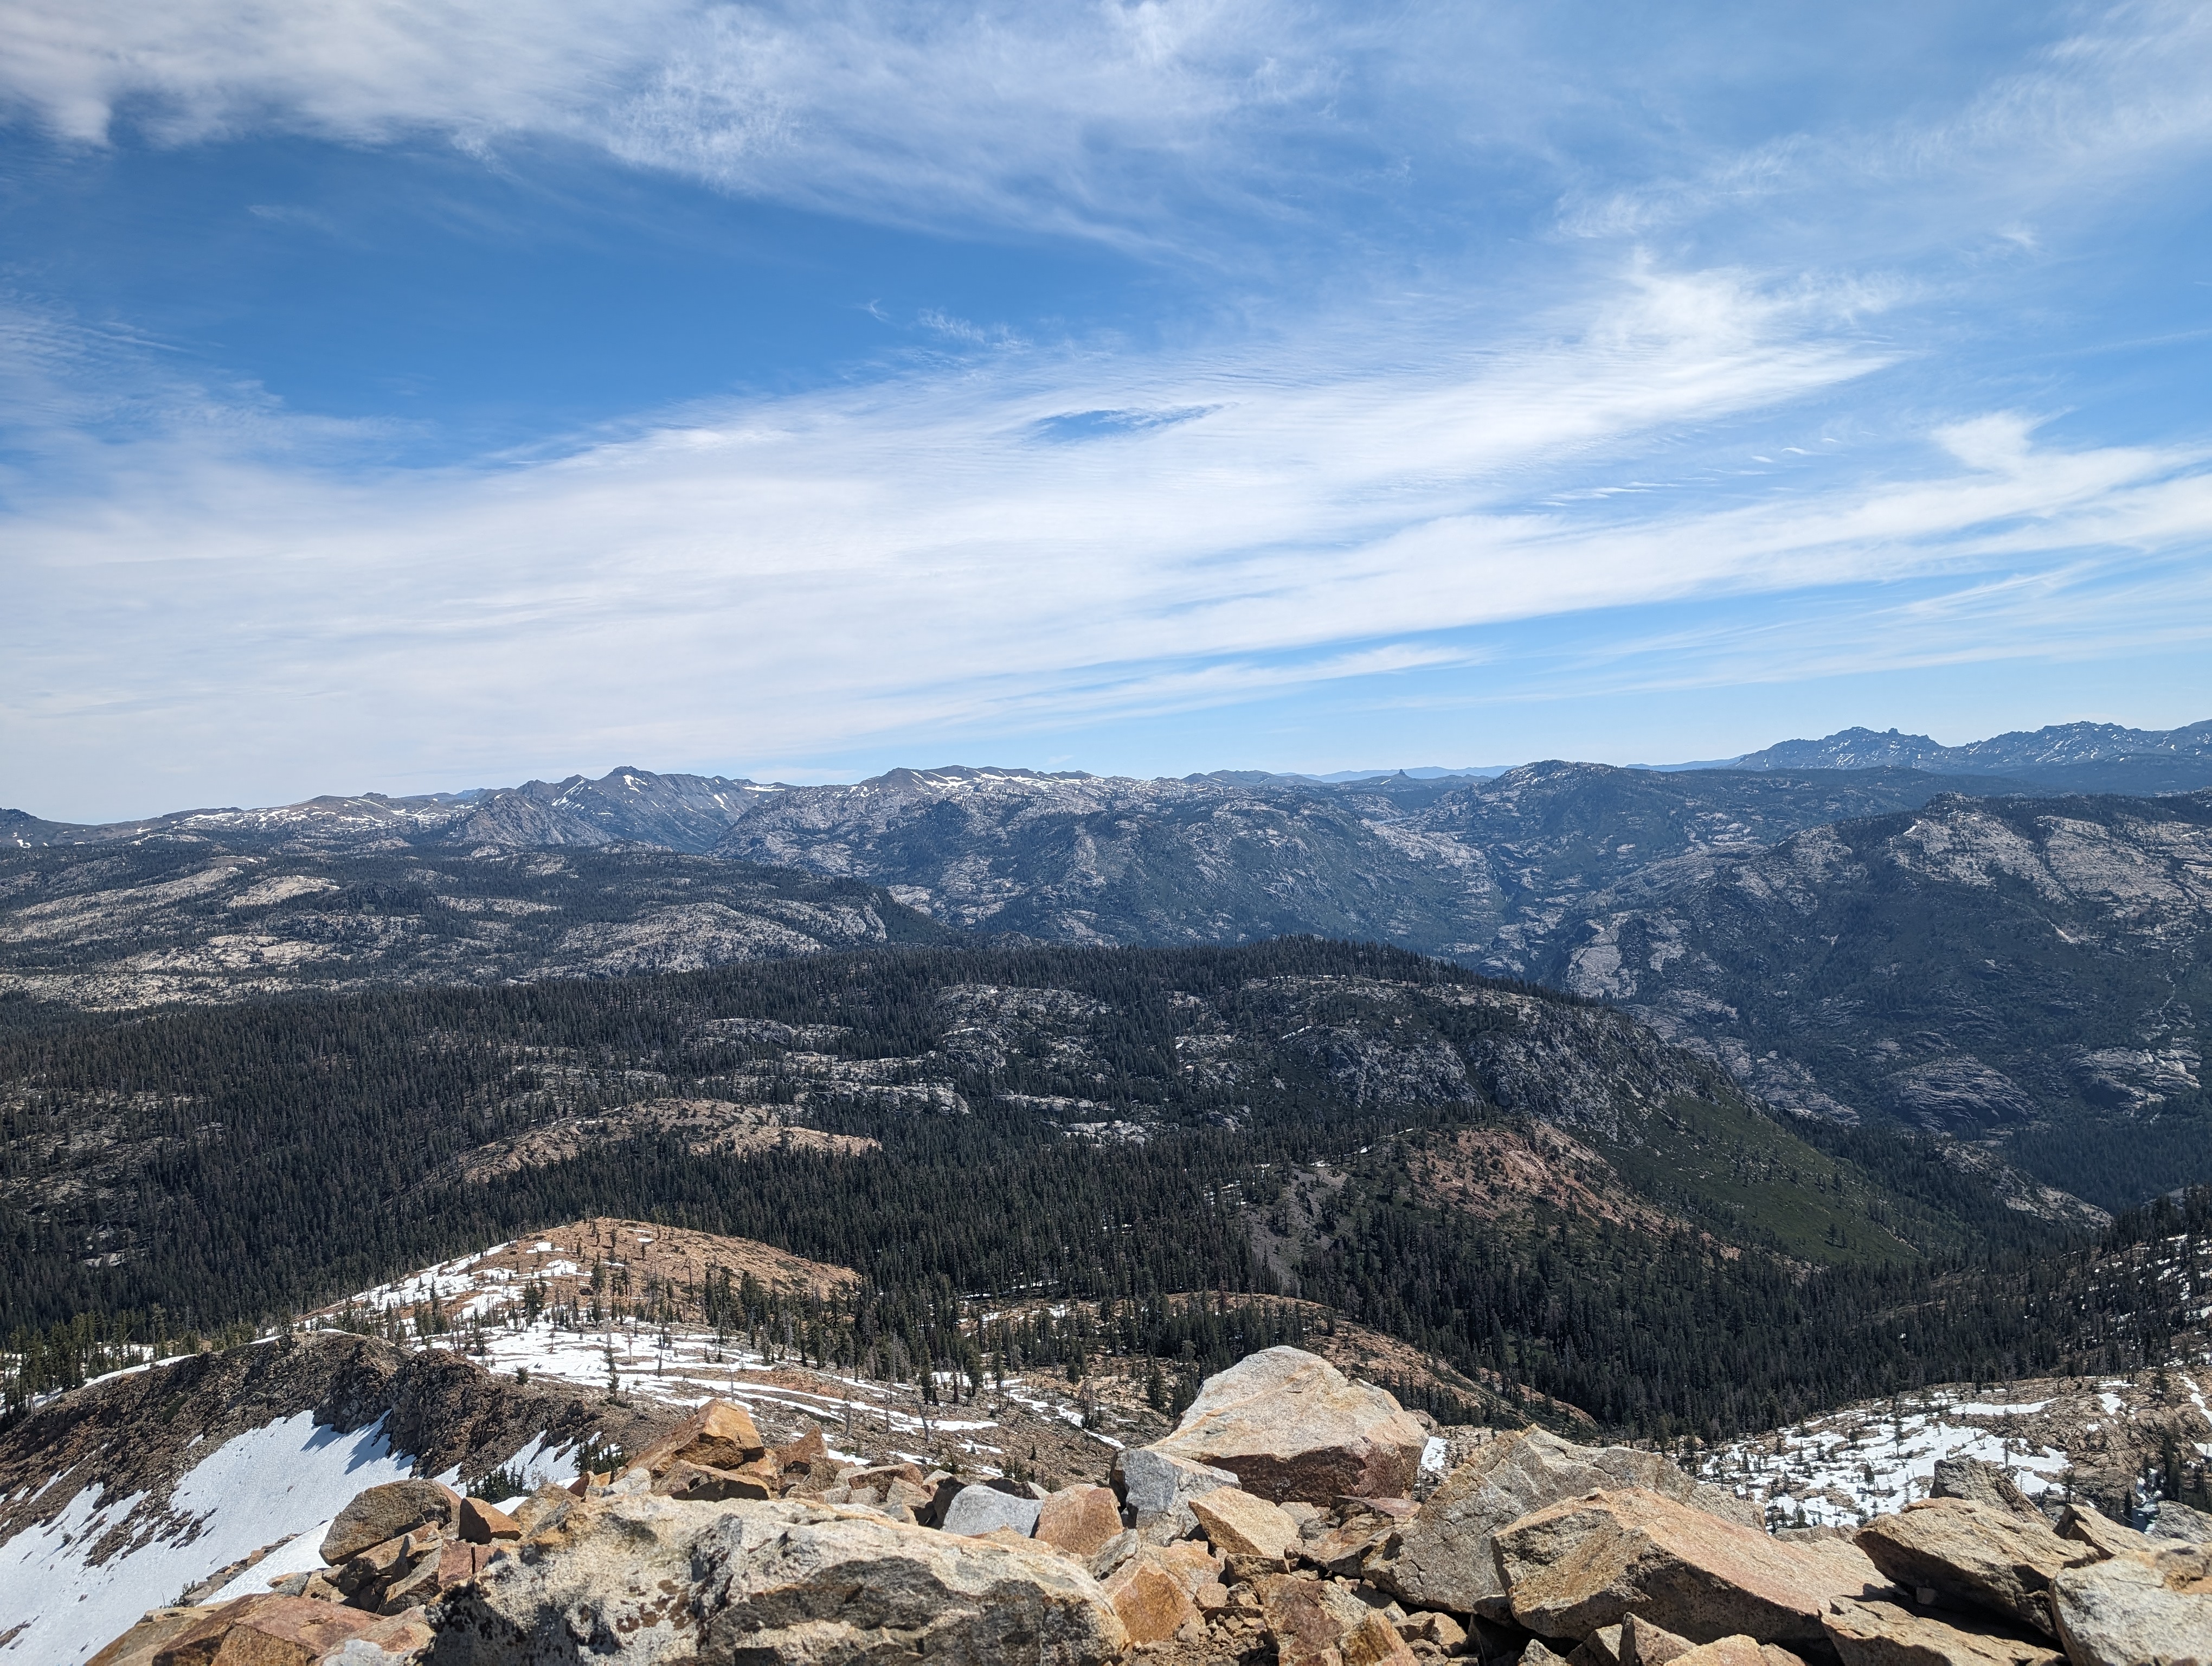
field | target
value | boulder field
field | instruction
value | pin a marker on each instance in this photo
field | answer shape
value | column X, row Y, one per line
column 1287, row 1519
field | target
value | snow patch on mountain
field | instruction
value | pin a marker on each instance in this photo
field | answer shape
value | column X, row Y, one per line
column 68, row 1586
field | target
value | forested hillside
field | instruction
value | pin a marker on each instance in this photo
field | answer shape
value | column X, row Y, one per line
column 2031, row 973
column 1525, row 1184
column 2024, row 974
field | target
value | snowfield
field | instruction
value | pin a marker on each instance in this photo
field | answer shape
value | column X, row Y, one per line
column 283, row 1480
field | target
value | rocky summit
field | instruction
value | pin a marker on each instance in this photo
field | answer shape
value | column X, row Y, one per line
column 1333, row 1545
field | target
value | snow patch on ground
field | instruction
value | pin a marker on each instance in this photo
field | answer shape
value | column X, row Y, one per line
column 268, row 1484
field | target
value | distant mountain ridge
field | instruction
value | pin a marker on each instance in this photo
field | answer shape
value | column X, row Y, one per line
column 2056, row 1014
column 689, row 812
column 2081, row 757
column 627, row 805
column 2031, row 974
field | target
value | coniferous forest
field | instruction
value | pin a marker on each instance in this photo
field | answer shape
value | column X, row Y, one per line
column 1296, row 1117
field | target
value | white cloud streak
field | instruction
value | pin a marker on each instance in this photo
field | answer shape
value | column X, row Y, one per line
column 198, row 579
column 772, row 580
column 1102, row 119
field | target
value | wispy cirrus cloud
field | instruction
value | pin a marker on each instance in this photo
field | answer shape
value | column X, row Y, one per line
column 1562, row 344
column 776, row 577
column 2117, row 98
column 1106, row 119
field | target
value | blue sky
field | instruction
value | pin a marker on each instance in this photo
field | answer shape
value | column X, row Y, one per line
column 410, row 395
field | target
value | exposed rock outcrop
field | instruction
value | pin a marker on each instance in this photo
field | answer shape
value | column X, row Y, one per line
column 884, row 1562
column 1573, row 1567
column 1288, row 1425
column 1443, row 1558
column 647, row 1579
column 1158, row 1487
column 1975, row 1555
column 2138, row 1607
column 1878, row 1633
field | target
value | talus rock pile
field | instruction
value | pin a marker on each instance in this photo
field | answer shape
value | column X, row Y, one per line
column 1277, row 1526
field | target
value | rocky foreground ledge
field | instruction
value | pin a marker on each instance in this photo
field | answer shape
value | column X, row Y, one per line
column 1278, row 1522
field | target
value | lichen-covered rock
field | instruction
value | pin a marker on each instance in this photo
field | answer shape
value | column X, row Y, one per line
column 1574, row 1566
column 1288, row 1425
column 2141, row 1609
column 646, row 1579
column 1977, row 1555
column 1441, row 1559
column 378, row 1513
column 2178, row 1522
column 1877, row 1633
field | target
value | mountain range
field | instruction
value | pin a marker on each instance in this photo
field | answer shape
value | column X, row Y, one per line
column 1961, row 953
column 690, row 812
column 2064, row 758
column 1686, row 1104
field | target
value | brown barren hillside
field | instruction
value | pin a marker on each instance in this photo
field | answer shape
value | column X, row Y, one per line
column 650, row 1271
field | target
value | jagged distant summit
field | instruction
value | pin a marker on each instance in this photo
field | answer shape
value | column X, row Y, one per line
column 695, row 813
column 626, row 805
column 2088, row 758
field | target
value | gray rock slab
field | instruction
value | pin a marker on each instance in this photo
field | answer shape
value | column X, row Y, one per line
column 984, row 1508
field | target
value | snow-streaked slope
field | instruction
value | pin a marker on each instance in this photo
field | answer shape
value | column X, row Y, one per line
column 2055, row 1437
column 66, row 1587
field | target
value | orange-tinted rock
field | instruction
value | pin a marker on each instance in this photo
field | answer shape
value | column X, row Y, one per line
column 1237, row 1524
column 1374, row 1642
column 1311, row 1620
column 1738, row 1651
column 264, row 1630
column 1442, row 1559
column 682, row 1479
column 1644, row 1644
column 794, row 1460
column 1190, row 1566
column 719, row 1435
column 1601, row 1647
column 459, row 1562
column 1348, row 1549
column 1080, row 1520
column 401, row 1638
column 1724, row 1651
column 156, row 1627
column 2083, row 1523
column 483, row 1524
column 1153, row 1604
column 1577, row 1566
